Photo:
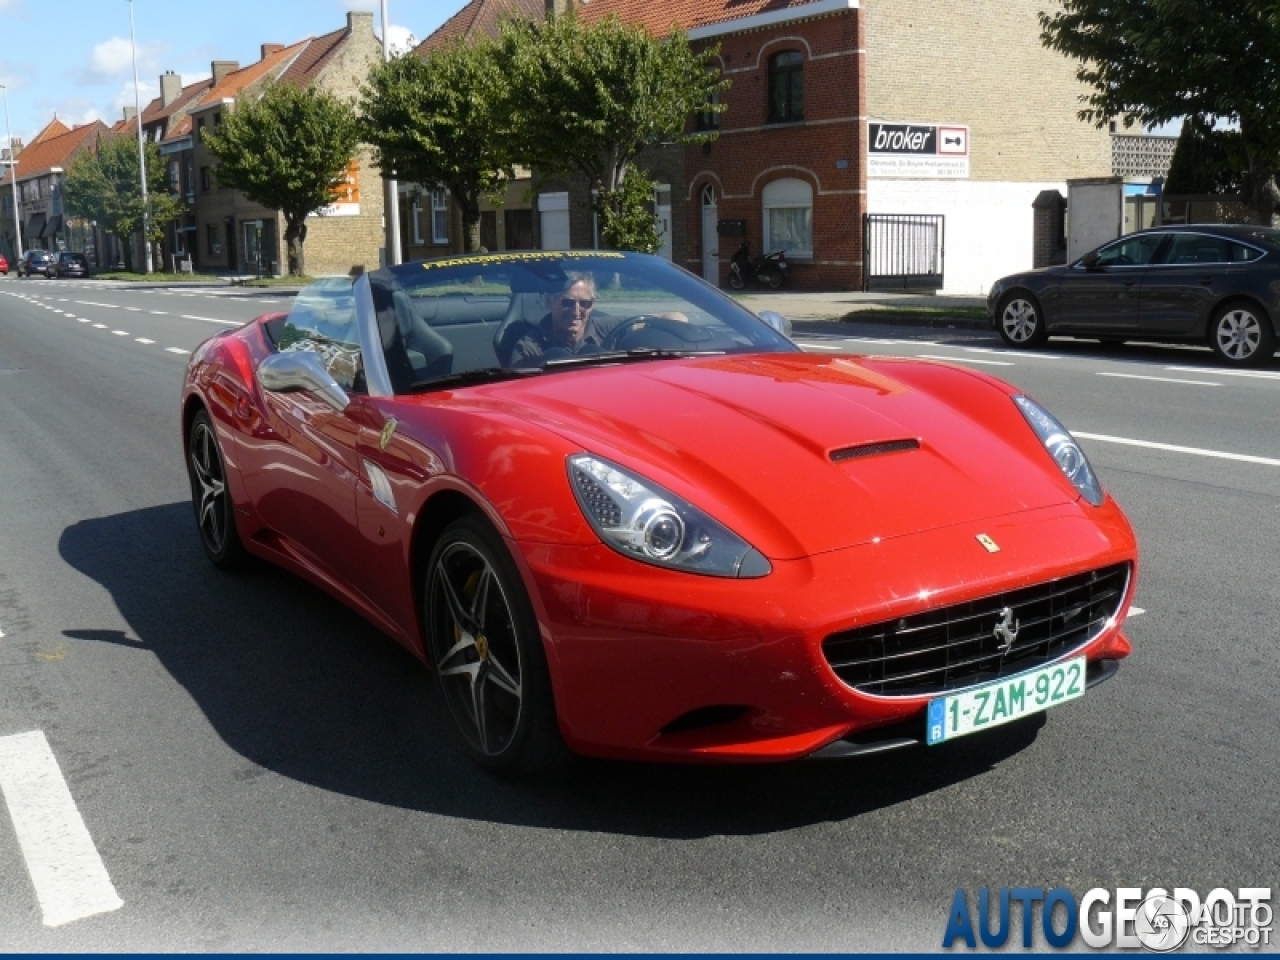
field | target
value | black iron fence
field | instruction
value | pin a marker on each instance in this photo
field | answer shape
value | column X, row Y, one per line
column 903, row 251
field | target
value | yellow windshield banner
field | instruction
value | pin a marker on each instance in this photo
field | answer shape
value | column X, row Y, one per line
column 492, row 259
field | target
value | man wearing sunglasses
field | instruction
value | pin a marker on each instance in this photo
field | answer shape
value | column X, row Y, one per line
column 568, row 329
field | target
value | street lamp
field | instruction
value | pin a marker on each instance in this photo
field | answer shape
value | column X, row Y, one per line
column 13, row 178
column 392, row 201
column 142, row 153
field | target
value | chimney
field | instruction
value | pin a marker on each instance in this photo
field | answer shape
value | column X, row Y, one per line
column 130, row 113
column 220, row 69
column 360, row 21
column 170, row 87
column 269, row 48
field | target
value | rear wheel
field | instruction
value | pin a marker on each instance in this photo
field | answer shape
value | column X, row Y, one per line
column 771, row 277
column 1242, row 336
column 210, row 496
column 1021, row 320
column 485, row 645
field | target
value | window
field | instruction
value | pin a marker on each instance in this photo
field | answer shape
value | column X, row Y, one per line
column 1131, row 252
column 415, row 218
column 788, row 217
column 175, row 177
column 322, row 321
column 188, row 179
column 199, row 129
column 710, row 119
column 439, row 216
column 213, row 243
column 205, row 179
column 1202, row 248
column 217, row 119
column 786, row 87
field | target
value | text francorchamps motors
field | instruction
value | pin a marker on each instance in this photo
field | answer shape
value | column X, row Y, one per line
column 1156, row 919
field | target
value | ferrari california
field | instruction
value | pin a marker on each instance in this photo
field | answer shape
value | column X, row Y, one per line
column 621, row 516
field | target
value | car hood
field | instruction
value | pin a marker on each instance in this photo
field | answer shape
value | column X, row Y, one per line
column 781, row 447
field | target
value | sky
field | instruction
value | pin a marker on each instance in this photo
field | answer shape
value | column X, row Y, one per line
column 72, row 57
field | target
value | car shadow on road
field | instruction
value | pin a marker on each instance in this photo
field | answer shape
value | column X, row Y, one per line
column 298, row 685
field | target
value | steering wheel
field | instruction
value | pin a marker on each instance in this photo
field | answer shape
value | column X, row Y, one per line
column 647, row 321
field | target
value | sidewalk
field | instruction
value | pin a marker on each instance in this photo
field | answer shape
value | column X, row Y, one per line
column 903, row 308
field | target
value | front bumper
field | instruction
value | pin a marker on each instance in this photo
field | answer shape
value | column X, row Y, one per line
column 652, row 664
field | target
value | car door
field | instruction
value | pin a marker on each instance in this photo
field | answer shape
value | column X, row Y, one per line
column 1100, row 292
column 1194, row 270
column 300, row 464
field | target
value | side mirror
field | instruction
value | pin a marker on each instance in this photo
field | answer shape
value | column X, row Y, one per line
column 1090, row 260
column 777, row 321
column 301, row 370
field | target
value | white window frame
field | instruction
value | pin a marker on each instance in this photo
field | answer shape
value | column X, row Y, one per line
column 787, row 193
column 415, row 214
column 439, row 205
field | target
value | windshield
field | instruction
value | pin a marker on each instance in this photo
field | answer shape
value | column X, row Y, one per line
column 476, row 317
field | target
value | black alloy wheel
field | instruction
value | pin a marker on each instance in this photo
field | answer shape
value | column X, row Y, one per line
column 1242, row 336
column 215, row 513
column 1021, row 321
column 486, row 648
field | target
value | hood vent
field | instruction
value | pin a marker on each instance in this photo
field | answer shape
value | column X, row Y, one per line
column 873, row 449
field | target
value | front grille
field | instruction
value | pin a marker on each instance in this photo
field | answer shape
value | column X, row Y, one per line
column 961, row 646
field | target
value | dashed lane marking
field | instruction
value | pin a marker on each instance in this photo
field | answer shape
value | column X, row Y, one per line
column 225, row 323
column 70, row 878
column 1257, row 374
column 1174, row 448
column 121, row 333
column 985, row 363
column 144, row 340
column 176, row 350
column 1137, row 376
column 99, row 326
column 1136, row 611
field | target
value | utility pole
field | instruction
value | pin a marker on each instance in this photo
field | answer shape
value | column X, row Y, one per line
column 392, row 199
column 142, row 153
column 13, row 178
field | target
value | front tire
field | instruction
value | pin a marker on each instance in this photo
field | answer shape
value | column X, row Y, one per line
column 735, row 277
column 1242, row 336
column 486, row 648
column 1020, row 321
column 211, row 497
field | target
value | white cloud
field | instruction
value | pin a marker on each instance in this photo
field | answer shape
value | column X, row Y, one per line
column 400, row 39
column 112, row 57
column 124, row 98
column 369, row 6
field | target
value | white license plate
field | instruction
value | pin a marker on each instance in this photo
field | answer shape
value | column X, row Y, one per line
column 1004, row 700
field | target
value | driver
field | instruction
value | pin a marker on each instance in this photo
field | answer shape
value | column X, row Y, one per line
column 568, row 329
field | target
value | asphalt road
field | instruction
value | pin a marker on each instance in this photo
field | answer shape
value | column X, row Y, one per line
column 258, row 769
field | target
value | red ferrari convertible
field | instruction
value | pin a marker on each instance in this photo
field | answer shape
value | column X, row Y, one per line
column 621, row 516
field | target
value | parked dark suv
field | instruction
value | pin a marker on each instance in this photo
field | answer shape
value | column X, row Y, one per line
column 34, row 262
column 69, row 265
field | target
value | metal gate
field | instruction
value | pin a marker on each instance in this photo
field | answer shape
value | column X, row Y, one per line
column 903, row 251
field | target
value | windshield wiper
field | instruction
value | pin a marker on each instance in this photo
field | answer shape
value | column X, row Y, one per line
column 466, row 377
column 627, row 356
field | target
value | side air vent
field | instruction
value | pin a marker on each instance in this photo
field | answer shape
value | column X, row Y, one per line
column 873, row 449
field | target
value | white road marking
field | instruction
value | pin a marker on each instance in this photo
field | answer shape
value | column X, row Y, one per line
column 99, row 326
column 987, row 363
column 121, row 333
column 158, row 313
column 1135, row 376
column 144, row 340
column 90, row 303
column 83, row 319
column 821, row 346
column 1259, row 374
column 177, row 350
column 132, row 309
column 1014, row 353
column 1173, row 448
column 70, row 878
column 225, row 323
column 1136, row 611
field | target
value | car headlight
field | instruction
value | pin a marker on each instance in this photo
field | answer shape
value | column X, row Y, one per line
column 1063, row 448
column 641, row 520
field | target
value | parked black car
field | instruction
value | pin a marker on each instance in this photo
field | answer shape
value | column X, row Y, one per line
column 69, row 265
column 1218, row 284
column 35, row 262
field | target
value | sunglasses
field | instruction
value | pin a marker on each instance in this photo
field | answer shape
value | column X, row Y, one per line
column 568, row 303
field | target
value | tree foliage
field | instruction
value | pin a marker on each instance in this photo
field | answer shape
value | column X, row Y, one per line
column 102, row 184
column 626, row 215
column 1205, row 161
column 1152, row 61
column 287, row 150
column 588, row 98
column 436, row 120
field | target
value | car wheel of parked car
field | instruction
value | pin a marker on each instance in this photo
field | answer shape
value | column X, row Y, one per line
column 1241, row 335
column 486, row 648
column 1021, row 321
column 210, row 497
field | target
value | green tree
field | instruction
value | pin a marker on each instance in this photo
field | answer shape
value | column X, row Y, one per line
column 287, row 150
column 588, row 98
column 1152, row 61
column 102, row 184
column 1204, row 161
column 433, row 120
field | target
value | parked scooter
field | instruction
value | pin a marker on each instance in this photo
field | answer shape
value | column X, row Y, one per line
column 770, row 269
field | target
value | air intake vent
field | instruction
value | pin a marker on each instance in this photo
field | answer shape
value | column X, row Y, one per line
column 873, row 449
